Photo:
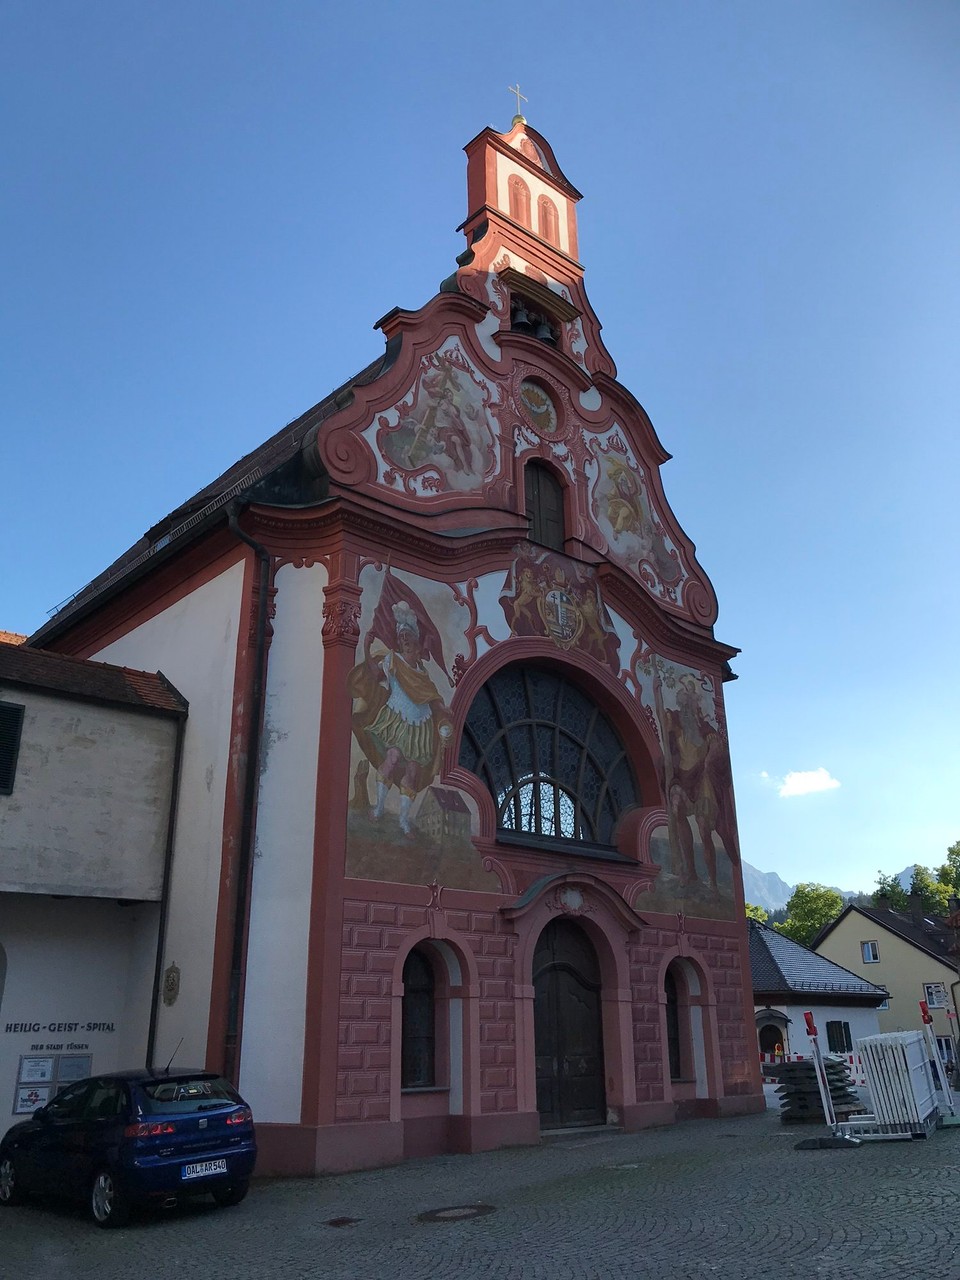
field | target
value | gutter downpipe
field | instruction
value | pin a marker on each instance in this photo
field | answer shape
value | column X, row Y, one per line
column 165, row 894
column 238, row 946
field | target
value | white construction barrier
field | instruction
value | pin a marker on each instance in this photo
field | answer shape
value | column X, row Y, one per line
column 900, row 1081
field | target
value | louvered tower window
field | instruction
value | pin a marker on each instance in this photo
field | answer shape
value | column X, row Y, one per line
column 552, row 760
column 544, row 500
column 11, row 722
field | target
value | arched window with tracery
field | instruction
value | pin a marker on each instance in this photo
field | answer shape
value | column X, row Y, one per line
column 548, row 221
column 554, row 764
column 519, row 194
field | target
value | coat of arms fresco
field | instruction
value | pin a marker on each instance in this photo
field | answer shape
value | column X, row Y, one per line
column 441, row 436
column 402, row 825
column 622, row 509
column 545, row 594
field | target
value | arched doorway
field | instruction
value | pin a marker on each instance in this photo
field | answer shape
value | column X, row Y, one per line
column 568, row 1028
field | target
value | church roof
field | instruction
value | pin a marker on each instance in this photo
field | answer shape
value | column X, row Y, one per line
column 781, row 967
column 92, row 681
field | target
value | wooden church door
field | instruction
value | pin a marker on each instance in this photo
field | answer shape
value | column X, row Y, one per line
column 568, row 1028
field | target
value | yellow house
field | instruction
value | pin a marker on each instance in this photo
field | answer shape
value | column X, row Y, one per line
column 909, row 953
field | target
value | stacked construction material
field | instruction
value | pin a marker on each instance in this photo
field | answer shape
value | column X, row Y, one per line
column 799, row 1092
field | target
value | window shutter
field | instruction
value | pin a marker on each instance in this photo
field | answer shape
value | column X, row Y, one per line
column 11, row 723
column 838, row 1037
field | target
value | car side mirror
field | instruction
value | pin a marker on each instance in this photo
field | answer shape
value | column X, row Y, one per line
column 41, row 1113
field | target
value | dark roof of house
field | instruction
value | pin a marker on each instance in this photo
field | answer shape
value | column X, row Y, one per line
column 209, row 502
column 95, row 681
column 780, row 966
column 451, row 801
column 931, row 934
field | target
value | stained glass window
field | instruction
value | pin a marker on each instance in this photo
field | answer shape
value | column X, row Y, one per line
column 553, row 762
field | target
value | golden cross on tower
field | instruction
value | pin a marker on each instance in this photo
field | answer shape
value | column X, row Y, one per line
column 515, row 88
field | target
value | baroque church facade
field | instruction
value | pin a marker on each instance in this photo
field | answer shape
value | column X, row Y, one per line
column 454, row 857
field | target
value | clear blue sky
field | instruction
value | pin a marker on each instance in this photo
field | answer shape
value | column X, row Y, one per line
column 207, row 206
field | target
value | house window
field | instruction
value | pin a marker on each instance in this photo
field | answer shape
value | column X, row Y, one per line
column 418, row 1039
column 838, row 1037
column 884, row 1004
column 935, row 994
column 544, row 503
column 11, row 723
column 555, row 765
column 870, row 952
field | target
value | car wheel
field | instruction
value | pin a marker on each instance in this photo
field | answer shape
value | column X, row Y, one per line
column 10, row 1192
column 233, row 1193
column 109, row 1207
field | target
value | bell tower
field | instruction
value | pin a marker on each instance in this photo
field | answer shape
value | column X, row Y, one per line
column 522, row 255
column 516, row 188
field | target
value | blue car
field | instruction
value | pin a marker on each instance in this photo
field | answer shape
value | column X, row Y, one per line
column 133, row 1138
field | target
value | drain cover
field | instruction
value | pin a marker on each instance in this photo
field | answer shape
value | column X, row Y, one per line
column 455, row 1213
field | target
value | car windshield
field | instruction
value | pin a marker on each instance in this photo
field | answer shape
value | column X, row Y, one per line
column 186, row 1095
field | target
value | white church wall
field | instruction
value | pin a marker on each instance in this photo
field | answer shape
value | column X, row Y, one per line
column 194, row 644
column 275, row 995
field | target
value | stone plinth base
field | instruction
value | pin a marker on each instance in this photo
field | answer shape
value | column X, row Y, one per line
column 290, row 1150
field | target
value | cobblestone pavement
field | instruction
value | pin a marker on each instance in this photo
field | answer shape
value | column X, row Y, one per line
column 729, row 1199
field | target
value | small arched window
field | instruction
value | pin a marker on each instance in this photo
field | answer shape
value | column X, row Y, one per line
column 555, row 765
column 418, row 1051
column 544, row 504
column 674, row 1051
column 548, row 221
column 519, row 194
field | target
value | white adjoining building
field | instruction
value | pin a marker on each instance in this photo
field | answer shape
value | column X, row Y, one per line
column 88, row 765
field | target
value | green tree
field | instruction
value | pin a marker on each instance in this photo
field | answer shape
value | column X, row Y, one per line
column 811, row 906
column 934, row 894
column 755, row 913
column 949, row 872
column 890, row 887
